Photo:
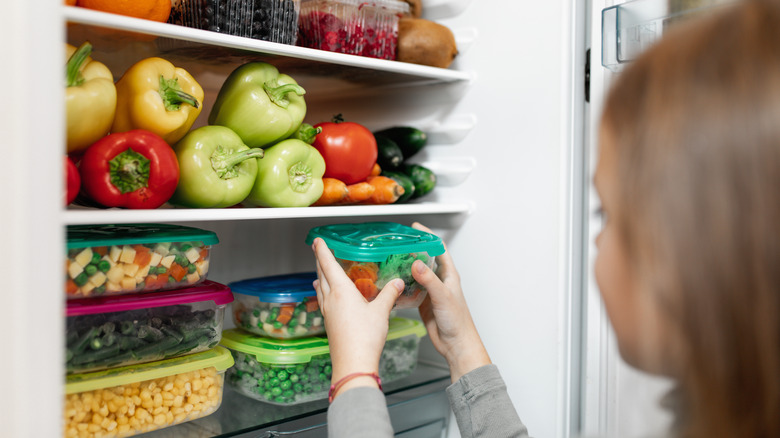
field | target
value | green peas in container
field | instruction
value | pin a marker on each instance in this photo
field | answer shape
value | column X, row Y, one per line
column 374, row 253
column 292, row 371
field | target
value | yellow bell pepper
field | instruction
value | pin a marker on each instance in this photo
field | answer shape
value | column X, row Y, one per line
column 90, row 98
column 156, row 96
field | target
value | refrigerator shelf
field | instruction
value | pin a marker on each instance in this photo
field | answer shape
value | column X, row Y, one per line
column 120, row 40
column 629, row 28
column 76, row 215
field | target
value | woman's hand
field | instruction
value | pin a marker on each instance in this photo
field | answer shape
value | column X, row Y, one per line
column 447, row 317
column 356, row 328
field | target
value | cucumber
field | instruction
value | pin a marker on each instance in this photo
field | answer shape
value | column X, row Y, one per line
column 405, row 181
column 423, row 178
column 410, row 140
column 389, row 155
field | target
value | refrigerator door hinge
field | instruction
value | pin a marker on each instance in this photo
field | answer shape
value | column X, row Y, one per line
column 587, row 75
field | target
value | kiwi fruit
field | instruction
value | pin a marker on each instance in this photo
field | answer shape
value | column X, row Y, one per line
column 415, row 8
column 425, row 42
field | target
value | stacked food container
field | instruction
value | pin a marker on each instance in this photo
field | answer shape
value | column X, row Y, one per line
column 142, row 331
column 280, row 349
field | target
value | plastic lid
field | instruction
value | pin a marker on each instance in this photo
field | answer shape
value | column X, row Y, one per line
column 206, row 291
column 217, row 357
column 83, row 236
column 295, row 351
column 375, row 241
column 278, row 288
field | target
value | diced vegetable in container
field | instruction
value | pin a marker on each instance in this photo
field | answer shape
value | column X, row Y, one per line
column 127, row 401
column 279, row 306
column 293, row 371
column 121, row 259
column 373, row 253
column 107, row 332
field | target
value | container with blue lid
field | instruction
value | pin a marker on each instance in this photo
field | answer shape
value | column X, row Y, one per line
column 279, row 306
column 373, row 253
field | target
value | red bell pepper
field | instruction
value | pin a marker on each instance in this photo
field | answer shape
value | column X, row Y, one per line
column 133, row 169
column 72, row 181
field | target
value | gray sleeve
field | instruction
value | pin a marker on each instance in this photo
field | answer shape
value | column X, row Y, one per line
column 359, row 412
column 482, row 406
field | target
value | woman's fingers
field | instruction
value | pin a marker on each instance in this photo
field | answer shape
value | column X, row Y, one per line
column 437, row 291
column 329, row 269
column 446, row 268
column 388, row 295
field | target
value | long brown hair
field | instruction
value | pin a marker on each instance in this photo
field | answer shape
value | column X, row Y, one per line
column 695, row 123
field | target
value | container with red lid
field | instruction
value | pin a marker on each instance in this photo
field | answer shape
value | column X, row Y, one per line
column 112, row 331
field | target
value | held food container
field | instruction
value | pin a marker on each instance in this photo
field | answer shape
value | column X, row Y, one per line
column 287, row 372
column 356, row 27
column 281, row 306
column 121, row 259
column 374, row 253
column 268, row 20
column 127, row 401
column 106, row 332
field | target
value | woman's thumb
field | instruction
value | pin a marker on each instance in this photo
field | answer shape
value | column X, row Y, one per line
column 389, row 294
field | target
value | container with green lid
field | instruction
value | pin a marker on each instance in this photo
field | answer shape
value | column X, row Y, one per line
column 130, row 400
column 292, row 371
column 373, row 253
column 127, row 258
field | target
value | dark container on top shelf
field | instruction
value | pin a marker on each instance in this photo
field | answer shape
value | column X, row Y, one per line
column 267, row 20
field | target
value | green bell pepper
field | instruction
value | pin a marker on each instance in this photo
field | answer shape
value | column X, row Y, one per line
column 290, row 175
column 216, row 168
column 260, row 104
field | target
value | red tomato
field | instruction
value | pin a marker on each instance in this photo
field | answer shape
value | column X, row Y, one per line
column 349, row 150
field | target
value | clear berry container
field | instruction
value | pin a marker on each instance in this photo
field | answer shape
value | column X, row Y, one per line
column 268, row 20
column 356, row 27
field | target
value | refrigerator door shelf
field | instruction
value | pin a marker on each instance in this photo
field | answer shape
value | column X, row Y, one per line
column 630, row 28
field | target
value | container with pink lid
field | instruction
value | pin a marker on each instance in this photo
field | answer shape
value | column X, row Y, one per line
column 111, row 331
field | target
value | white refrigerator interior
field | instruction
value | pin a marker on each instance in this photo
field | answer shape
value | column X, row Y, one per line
column 509, row 139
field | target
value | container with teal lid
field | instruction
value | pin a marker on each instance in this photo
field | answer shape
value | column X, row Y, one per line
column 128, row 258
column 287, row 372
column 114, row 331
column 373, row 253
column 131, row 400
column 278, row 306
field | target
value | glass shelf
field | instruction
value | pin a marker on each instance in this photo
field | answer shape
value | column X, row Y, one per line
column 630, row 28
column 239, row 414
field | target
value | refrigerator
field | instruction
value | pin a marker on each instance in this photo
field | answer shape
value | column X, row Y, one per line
column 512, row 139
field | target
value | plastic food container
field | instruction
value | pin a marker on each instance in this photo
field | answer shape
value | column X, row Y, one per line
column 106, row 332
column 374, row 253
column 281, row 306
column 287, row 372
column 268, row 20
column 366, row 28
column 141, row 398
column 121, row 259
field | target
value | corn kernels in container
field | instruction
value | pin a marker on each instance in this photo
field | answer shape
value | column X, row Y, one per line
column 89, row 414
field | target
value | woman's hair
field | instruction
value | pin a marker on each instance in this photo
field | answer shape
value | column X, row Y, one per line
column 694, row 124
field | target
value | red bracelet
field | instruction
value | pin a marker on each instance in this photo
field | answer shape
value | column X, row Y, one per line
column 335, row 387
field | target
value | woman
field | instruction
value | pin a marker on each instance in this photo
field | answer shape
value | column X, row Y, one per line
column 688, row 260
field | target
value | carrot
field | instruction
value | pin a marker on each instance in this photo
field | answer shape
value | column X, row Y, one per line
column 70, row 287
column 285, row 314
column 367, row 288
column 333, row 192
column 312, row 305
column 177, row 272
column 204, row 254
column 387, row 190
column 376, row 170
column 142, row 256
column 361, row 271
column 358, row 192
column 102, row 250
